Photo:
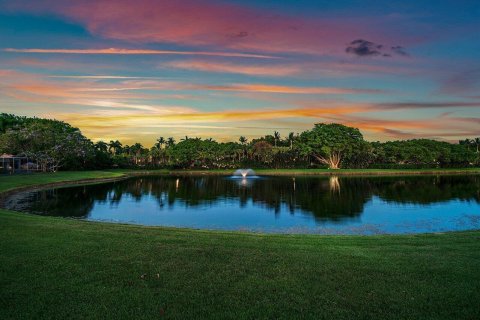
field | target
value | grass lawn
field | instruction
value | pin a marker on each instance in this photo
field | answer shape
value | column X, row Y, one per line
column 8, row 183
column 63, row 268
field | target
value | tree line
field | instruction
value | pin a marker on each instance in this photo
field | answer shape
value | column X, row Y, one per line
column 56, row 145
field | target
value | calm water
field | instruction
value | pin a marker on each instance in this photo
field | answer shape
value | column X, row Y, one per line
column 328, row 205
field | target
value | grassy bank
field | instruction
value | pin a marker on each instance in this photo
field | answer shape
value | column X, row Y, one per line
column 342, row 172
column 8, row 183
column 62, row 268
column 316, row 172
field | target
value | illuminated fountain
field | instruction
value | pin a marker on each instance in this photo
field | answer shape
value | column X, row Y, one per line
column 245, row 177
column 244, row 173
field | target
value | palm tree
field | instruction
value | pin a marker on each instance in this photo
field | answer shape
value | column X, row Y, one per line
column 114, row 147
column 160, row 142
column 291, row 137
column 101, row 146
column 477, row 143
column 243, row 140
column 137, row 149
column 127, row 150
column 170, row 142
column 276, row 136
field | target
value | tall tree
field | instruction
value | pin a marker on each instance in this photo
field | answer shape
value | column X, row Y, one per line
column 170, row 142
column 137, row 150
column 276, row 136
column 101, row 146
column 291, row 137
column 331, row 143
column 160, row 142
column 115, row 147
column 242, row 140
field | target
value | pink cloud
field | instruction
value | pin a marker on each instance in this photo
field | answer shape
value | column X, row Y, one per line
column 212, row 24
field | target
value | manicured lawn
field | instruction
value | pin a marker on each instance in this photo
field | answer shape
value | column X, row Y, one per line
column 63, row 268
column 19, row 181
column 316, row 171
column 365, row 171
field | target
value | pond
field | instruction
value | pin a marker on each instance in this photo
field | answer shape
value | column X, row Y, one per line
column 272, row 204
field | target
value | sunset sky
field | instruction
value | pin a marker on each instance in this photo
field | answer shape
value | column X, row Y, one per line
column 136, row 70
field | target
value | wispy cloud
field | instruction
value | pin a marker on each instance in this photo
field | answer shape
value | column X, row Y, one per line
column 142, row 52
column 102, row 77
column 442, row 127
column 438, row 127
column 462, row 82
column 430, row 105
column 291, row 89
column 228, row 67
column 82, row 86
column 227, row 116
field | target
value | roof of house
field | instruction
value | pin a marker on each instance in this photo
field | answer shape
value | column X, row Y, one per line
column 10, row 156
column 5, row 155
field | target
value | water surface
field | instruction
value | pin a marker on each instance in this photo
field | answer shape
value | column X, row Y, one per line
column 326, row 205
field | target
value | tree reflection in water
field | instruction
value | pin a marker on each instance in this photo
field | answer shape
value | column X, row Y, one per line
column 324, row 198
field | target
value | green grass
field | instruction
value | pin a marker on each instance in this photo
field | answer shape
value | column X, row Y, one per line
column 11, row 182
column 366, row 171
column 316, row 171
column 63, row 268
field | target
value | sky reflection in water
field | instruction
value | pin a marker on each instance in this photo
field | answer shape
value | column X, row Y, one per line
column 327, row 205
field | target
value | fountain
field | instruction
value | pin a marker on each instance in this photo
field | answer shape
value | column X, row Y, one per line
column 244, row 177
column 244, row 173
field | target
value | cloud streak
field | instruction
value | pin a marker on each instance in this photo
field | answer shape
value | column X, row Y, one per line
column 121, row 51
column 228, row 67
column 265, row 88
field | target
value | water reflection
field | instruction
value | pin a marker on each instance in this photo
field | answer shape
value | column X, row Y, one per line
column 310, row 199
column 334, row 184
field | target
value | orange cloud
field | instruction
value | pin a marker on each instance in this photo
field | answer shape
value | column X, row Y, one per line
column 87, row 92
column 435, row 127
column 82, row 87
column 89, row 121
column 234, row 122
column 227, row 67
column 289, row 89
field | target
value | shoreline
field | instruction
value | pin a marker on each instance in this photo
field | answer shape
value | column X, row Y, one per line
column 120, row 174
column 299, row 172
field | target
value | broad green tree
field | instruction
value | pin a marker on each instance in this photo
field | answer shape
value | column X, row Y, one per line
column 330, row 144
